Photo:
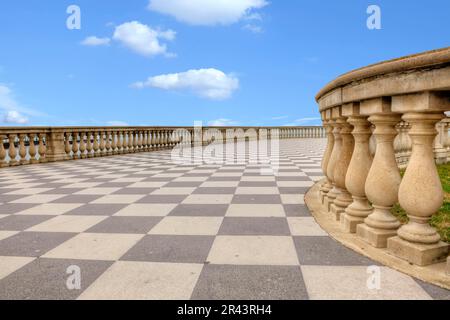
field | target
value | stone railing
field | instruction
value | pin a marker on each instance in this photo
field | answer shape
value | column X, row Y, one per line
column 398, row 105
column 32, row 145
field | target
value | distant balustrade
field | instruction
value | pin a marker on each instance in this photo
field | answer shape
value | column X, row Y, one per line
column 23, row 145
column 379, row 119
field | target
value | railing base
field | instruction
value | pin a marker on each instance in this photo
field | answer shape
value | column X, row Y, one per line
column 418, row 254
column 437, row 274
column 375, row 237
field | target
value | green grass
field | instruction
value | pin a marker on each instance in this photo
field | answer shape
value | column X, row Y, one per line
column 441, row 220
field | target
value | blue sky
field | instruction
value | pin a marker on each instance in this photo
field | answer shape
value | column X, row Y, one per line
column 236, row 62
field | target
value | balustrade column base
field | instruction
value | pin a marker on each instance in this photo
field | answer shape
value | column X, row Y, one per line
column 349, row 223
column 355, row 214
column 417, row 253
column 331, row 197
column 324, row 190
column 34, row 161
column 341, row 203
column 375, row 237
column 24, row 162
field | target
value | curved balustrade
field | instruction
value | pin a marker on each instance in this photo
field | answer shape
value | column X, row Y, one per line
column 36, row 145
column 380, row 118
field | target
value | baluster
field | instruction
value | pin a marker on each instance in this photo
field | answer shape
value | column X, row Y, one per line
column 140, row 139
column 102, row 144
column 89, row 146
column 421, row 196
column 114, row 142
column 42, row 149
column 108, row 143
column 334, row 192
column 22, row 149
column 343, row 199
column 135, row 142
column 120, row 138
column 75, row 145
column 12, row 150
column 3, row 162
column 67, row 146
column 382, row 183
column 326, row 187
column 96, row 145
column 358, row 170
column 32, row 148
column 83, row 145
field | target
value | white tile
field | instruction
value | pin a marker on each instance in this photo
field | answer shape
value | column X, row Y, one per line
column 351, row 283
column 145, row 281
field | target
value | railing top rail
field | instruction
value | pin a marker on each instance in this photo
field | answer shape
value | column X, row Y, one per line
column 430, row 59
column 94, row 128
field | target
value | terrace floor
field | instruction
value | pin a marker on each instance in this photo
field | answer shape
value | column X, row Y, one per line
column 142, row 227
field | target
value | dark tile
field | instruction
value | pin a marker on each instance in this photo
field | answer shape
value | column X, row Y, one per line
column 295, row 178
column 435, row 292
column 77, row 198
column 258, row 184
column 21, row 222
column 256, row 199
column 163, row 199
column 114, row 185
column 11, row 208
column 200, row 210
column 7, row 190
column 189, row 184
column 135, row 225
column 32, row 244
column 327, row 252
column 96, row 210
column 230, row 282
column 168, row 248
column 254, row 227
column 63, row 191
column 46, row 279
column 145, row 191
column 224, row 179
column 296, row 210
column 214, row 191
column 294, row 190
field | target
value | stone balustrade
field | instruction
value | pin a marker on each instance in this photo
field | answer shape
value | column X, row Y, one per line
column 380, row 118
column 37, row 145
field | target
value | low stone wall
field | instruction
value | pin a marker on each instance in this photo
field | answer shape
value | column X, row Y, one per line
column 379, row 118
column 30, row 145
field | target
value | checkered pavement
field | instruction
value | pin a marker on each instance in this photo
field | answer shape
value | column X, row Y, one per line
column 142, row 227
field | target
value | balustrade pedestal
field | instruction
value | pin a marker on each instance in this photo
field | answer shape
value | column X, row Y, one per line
column 344, row 199
column 357, row 173
column 326, row 186
column 382, row 183
column 420, row 192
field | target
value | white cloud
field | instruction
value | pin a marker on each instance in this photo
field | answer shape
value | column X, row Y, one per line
column 253, row 28
column 280, row 118
column 207, row 83
column 94, row 41
column 208, row 12
column 307, row 119
column 223, row 123
column 142, row 39
column 11, row 110
column 14, row 117
column 117, row 123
